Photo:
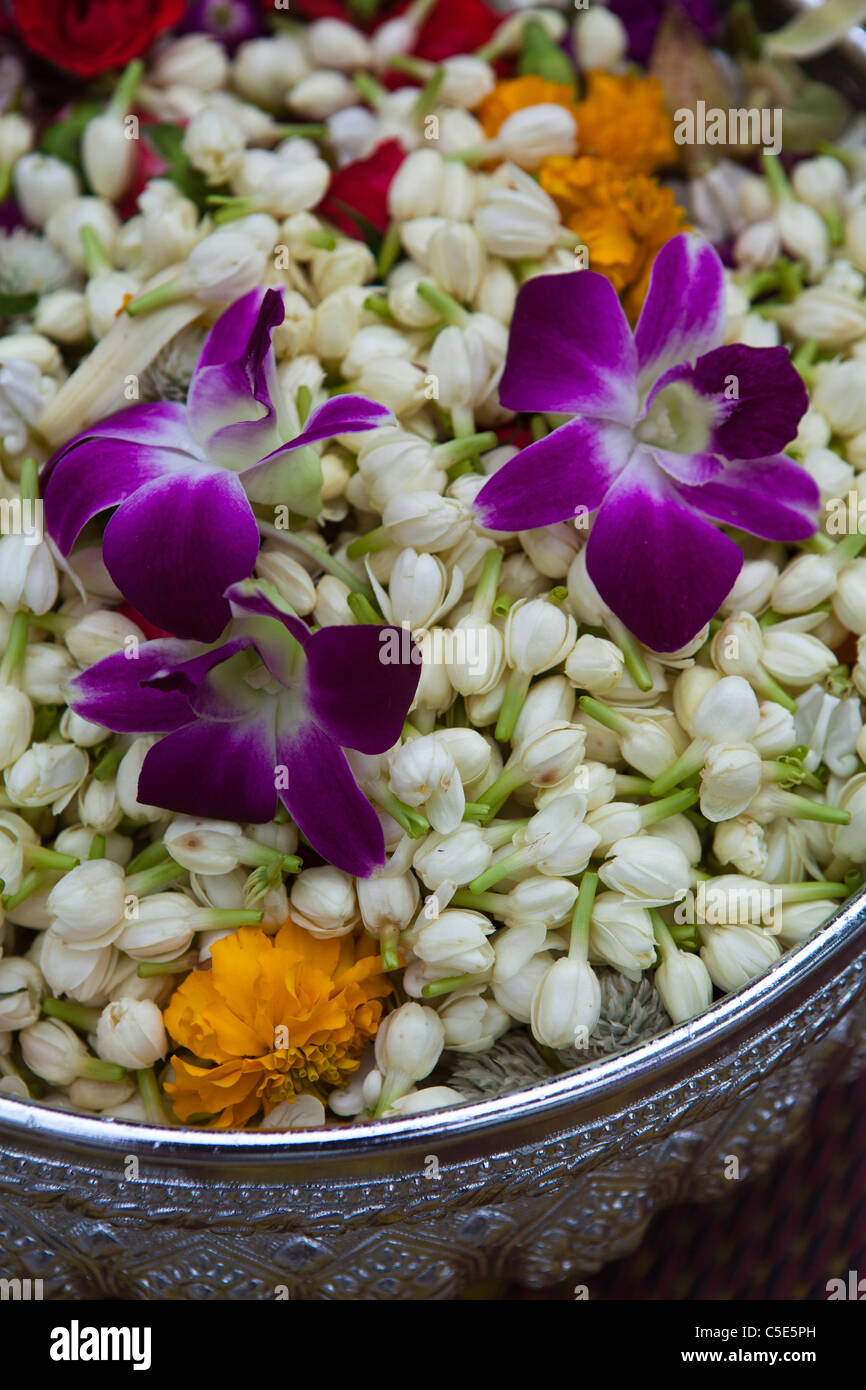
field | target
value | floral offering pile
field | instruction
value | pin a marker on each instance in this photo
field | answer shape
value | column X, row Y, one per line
column 433, row 450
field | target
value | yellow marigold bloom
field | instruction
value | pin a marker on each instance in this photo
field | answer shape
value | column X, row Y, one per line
column 622, row 219
column 277, row 1015
column 624, row 119
column 518, row 93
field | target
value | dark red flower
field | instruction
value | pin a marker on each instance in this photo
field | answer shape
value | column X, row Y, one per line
column 87, row 36
column 363, row 187
column 453, row 26
column 150, row 630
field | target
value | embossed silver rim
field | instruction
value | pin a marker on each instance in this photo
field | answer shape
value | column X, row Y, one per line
column 722, row 1030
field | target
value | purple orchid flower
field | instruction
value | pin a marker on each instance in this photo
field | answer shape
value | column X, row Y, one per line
column 669, row 429
column 230, row 21
column 269, row 711
column 182, row 477
column 643, row 17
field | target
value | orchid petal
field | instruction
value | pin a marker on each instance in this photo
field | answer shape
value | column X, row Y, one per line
column 774, row 498
column 355, row 691
column 570, row 349
column 662, row 569
column 692, row 469
column 231, row 403
column 218, row 770
column 684, row 312
column 549, row 481
column 174, row 547
column 343, row 414
column 95, row 475
column 115, row 691
column 250, row 597
column 326, row 803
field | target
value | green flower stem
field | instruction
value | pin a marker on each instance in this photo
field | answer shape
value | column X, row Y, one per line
column 801, row 808
column 515, row 696
column 777, row 770
column 474, row 811
column 232, row 209
column 303, row 403
column 149, row 969
column 153, row 853
column 312, row 130
column 232, row 917
column 557, row 595
column 444, row 304
column 416, row 67
column 28, row 483
column 108, row 763
column 97, row 847
column 388, row 940
column 765, row 685
column 148, row 1089
column 776, row 177
column 426, row 99
column 265, row 856
column 148, row 880
column 371, row 91
column 661, row 932
column 578, row 948
column 374, row 304
column 847, row 549
column 38, row 857
column 688, row 763
column 475, row 154
column 509, row 779
column 414, row 824
column 819, row 544
column 94, row 1069
column 503, row 604
column 377, row 539
column 389, row 251
column 626, row 785
column 467, row 446
column 58, row 623
column 481, row 902
column 158, row 297
column 318, row 553
column 13, row 656
column 667, row 806
column 803, row 359
column 322, row 240
column 363, row 610
column 485, row 589
column 522, row 858
column 77, row 1015
column 632, row 654
column 812, row 891
column 612, row 719
column 452, row 982
column 95, row 259
column 124, row 93
column 30, row 883
column 462, row 421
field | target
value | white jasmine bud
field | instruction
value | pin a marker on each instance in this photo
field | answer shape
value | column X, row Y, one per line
column 43, row 185
column 472, row 1023
column 684, row 984
column 423, row 772
column 388, row 902
column 323, row 901
column 516, row 993
column 568, row 998
column 648, row 868
column 288, row 577
column 600, row 39
column 497, row 292
column 264, row 69
column 799, row 921
column 456, row 859
column 193, row 60
column 101, row 1096
column 535, row 133
column 334, row 44
column 775, row 733
column 804, row 583
column 62, row 315
column 419, row 589
column 47, row 668
column 456, row 258
column 549, row 901
column 48, row 774
column 730, row 777
column 795, row 658
column 28, row 577
column 64, row 226
column 108, row 155
column 416, row 188
column 520, row 221
column 321, row 94
column 548, row 755
column 16, row 724
column 849, row 600
column 833, row 319
column 214, row 143
column 223, row 267
column 455, row 935
column 393, row 461
column 594, row 664
column 821, row 182
column 408, row 1046
column 53, row 1051
column 88, row 903
column 538, row 635
column 21, row 989
column 130, row 1032
column 163, row 928
column 734, row 955
column 349, row 266
column 100, row 634
column 742, row 842
column 752, row 588
column 548, row 701
column 621, row 933
column 839, row 395
column 83, row 975
column 803, row 234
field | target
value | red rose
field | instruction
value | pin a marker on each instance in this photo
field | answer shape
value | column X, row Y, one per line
column 87, row 36
column 363, row 187
column 452, row 26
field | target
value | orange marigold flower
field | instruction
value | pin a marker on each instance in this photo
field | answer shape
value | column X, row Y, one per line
column 624, row 119
column 518, row 93
column 277, row 1016
column 622, row 219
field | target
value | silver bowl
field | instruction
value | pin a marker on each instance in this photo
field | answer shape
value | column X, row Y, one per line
column 545, row 1184
column 539, row 1186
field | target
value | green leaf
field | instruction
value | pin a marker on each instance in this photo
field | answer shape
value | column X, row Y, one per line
column 372, row 235
column 63, row 138
column 541, row 56
column 816, row 30
column 167, row 140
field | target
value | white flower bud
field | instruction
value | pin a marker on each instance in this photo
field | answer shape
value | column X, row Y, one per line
column 741, row 842
column 409, row 1043
column 393, row 461
column 775, row 733
column 98, row 805
column 418, row 588
column 515, row 994
column 64, row 225
column 457, row 858
column 387, row 900
column 472, row 1023
column 321, row 94
column 335, row 44
column 730, row 777
column 548, row 755
column 568, row 998
column 214, row 144
column 456, row 938
column 758, row 245
column 349, row 266
column 108, row 156
column 28, row 577
column 560, row 842
column 804, row 235
column 457, row 258
column 130, row 1032
column 416, row 188
column 821, row 182
column 62, row 315
column 651, row 869
column 101, row 1096
column 594, row 664
column 323, row 901
column 48, row 774
column 288, row 577
column 535, row 133
column 264, row 69
column 549, row 901
column 600, row 39
column 497, row 292
column 796, row 658
column 804, row 583
column 21, row 991
column 799, row 921
column 647, row 745
column 43, row 185
column 223, row 267
column 684, row 984
column 839, row 392
column 126, row 782
column 538, row 635
column 16, row 724
column 163, row 928
column 734, row 955
column 100, row 634
column 83, row 975
column 621, row 933
column 849, row 600
column 752, row 588
column 423, row 772
column 430, row 1098
column 833, row 319
column 204, row 846
column 53, row 1051
column 547, row 701
column 193, row 60
column 855, row 237
column 88, row 903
